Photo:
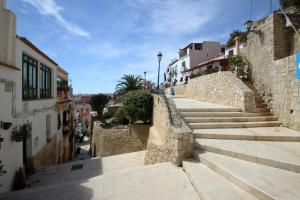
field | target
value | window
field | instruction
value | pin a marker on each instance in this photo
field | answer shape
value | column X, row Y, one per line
column 231, row 53
column 45, row 81
column 29, row 78
column 183, row 66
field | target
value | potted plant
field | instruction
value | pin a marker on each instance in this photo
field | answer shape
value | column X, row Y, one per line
column 6, row 125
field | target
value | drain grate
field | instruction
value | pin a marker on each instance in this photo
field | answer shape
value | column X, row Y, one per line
column 77, row 167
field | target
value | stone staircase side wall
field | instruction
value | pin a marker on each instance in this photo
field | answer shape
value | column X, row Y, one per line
column 272, row 61
column 285, row 101
column 170, row 140
column 220, row 88
column 113, row 141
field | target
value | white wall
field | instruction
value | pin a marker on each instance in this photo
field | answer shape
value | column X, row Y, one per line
column 10, row 151
column 35, row 111
column 11, row 49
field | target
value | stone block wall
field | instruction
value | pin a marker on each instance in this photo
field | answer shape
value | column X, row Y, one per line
column 170, row 140
column 49, row 154
column 113, row 141
column 259, row 53
column 180, row 89
column 220, row 88
column 285, row 101
column 272, row 62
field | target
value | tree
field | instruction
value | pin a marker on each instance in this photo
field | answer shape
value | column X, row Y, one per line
column 128, row 83
column 287, row 4
column 234, row 34
column 138, row 105
column 98, row 102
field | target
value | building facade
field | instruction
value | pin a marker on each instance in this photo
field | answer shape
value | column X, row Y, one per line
column 65, row 115
column 189, row 57
column 219, row 63
column 29, row 137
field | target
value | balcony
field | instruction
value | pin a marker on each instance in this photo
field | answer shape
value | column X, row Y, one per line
column 63, row 93
column 66, row 129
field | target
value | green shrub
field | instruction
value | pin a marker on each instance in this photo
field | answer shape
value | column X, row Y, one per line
column 138, row 106
column 107, row 115
column 237, row 62
column 121, row 117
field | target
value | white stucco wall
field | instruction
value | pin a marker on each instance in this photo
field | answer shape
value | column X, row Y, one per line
column 35, row 111
column 10, row 152
column 11, row 50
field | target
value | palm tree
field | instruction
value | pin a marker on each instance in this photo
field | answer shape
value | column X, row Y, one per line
column 128, row 83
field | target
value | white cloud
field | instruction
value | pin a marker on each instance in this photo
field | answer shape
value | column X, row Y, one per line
column 50, row 8
column 177, row 17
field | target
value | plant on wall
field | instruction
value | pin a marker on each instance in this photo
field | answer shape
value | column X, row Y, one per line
column 237, row 62
column 2, row 170
column 234, row 34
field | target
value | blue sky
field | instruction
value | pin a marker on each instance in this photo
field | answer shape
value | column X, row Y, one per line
column 98, row 41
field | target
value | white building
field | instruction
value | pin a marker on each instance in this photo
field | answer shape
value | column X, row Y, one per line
column 188, row 58
column 27, row 104
column 235, row 49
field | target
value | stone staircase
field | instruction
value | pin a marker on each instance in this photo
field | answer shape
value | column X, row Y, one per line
column 239, row 155
column 229, row 117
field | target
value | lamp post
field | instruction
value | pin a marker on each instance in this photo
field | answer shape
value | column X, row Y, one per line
column 145, row 80
column 159, row 56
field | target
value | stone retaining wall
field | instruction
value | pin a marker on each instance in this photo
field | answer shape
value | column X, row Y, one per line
column 285, row 90
column 170, row 140
column 220, row 88
column 113, row 141
column 273, row 70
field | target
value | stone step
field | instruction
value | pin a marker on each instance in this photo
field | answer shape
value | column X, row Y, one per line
column 283, row 155
column 234, row 124
column 261, row 105
column 261, row 110
column 229, row 119
column 262, row 181
column 209, row 110
column 224, row 114
column 257, row 134
column 210, row 185
column 259, row 100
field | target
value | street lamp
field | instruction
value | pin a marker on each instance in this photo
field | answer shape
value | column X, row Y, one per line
column 145, row 80
column 159, row 56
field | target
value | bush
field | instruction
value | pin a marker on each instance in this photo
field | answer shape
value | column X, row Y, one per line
column 107, row 115
column 138, row 106
column 121, row 117
column 237, row 62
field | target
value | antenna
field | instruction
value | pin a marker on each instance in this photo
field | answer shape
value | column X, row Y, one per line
column 271, row 6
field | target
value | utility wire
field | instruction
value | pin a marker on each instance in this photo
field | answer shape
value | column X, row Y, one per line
column 251, row 9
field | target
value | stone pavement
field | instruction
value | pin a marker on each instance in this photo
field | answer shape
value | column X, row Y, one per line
column 90, row 168
column 160, row 181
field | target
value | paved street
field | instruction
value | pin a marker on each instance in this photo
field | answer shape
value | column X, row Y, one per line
column 160, row 181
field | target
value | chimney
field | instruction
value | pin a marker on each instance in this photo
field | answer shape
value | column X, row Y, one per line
column 2, row 4
column 7, row 35
column 237, row 45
